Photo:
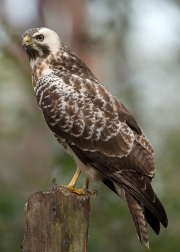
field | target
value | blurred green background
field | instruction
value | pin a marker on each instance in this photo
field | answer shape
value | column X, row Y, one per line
column 133, row 47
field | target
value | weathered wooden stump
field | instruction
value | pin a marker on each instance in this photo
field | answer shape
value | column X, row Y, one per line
column 56, row 221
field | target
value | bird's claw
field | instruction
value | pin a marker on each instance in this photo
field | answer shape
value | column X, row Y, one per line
column 81, row 191
column 91, row 192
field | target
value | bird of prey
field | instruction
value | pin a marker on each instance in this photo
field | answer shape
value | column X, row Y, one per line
column 94, row 127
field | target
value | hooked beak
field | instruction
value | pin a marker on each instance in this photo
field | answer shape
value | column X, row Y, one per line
column 26, row 41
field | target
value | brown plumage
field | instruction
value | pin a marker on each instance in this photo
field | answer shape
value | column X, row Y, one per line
column 94, row 127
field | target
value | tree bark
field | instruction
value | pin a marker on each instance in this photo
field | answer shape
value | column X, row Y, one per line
column 56, row 221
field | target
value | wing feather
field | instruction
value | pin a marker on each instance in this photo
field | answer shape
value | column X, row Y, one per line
column 75, row 113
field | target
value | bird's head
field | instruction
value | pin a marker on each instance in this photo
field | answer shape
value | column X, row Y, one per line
column 40, row 43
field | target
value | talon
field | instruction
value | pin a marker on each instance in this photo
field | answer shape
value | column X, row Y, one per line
column 84, row 190
column 91, row 192
column 94, row 192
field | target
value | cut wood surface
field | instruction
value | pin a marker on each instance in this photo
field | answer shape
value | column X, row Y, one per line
column 56, row 221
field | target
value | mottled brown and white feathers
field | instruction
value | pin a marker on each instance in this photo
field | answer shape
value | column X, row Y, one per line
column 94, row 127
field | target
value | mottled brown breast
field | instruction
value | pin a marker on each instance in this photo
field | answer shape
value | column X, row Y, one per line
column 40, row 68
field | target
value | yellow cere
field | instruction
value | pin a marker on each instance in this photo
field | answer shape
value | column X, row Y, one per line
column 26, row 39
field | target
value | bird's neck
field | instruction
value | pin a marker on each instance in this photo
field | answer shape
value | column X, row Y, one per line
column 39, row 68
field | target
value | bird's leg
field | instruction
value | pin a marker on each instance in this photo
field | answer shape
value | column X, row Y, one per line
column 72, row 184
column 75, row 178
column 86, row 185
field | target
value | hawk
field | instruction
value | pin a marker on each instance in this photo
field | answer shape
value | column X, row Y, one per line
column 94, row 127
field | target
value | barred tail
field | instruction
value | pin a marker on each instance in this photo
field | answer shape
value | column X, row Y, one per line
column 138, row 218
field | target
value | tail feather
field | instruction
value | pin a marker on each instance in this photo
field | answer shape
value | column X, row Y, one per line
column 152, row 220
column 138, row 219
column 142, row 214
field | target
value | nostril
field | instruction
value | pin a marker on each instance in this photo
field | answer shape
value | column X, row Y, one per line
column 26, row 39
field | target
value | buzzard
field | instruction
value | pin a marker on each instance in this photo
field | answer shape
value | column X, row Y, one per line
column 94, row 127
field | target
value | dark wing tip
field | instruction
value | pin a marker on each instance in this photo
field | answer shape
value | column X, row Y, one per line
column 165, row 224
column 161, row 212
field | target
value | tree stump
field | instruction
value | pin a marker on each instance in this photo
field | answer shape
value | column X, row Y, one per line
column 56, row 221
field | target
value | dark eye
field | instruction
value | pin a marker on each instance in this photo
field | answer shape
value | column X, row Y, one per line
column 40, row 38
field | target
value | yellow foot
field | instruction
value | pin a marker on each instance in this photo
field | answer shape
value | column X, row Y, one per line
column 75, row 190
column 91, row 192
column 81, row 191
